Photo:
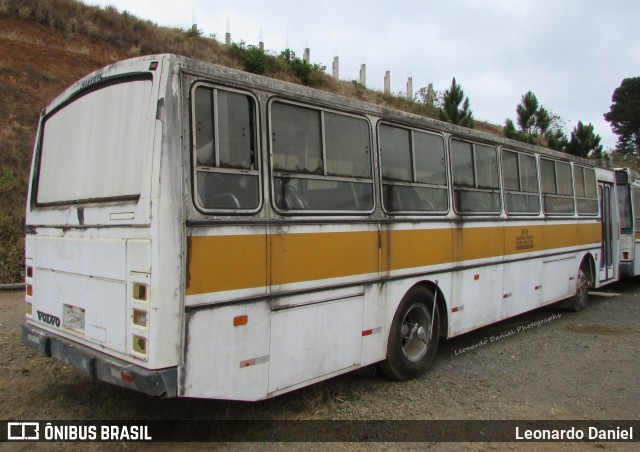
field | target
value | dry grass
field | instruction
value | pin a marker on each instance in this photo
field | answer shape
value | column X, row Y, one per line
column 120, row 29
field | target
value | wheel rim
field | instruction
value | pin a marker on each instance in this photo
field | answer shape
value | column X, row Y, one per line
column 415, row 332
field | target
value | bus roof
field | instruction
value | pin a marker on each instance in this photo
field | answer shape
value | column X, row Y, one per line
column 236, row 77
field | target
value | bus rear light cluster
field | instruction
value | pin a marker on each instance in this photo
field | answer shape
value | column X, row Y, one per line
column 140, row 317
column 29, row 290
column 139, row 344
column 139, row 305
column 140, row 292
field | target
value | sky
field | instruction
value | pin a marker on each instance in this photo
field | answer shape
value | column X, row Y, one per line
column 572, row 54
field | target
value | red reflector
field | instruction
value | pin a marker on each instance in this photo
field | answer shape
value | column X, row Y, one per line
column 29, row 272
column 454, row 310
column 240, row 320
column 126, row 377
column 476, row 277
column 367, row 332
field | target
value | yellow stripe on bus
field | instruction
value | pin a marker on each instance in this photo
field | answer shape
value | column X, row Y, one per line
column 220, row 263
column 307, row 257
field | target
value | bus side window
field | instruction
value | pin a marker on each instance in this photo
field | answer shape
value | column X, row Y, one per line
column 321, row 160
column 475, row 177
column 414, row 178
column 586, row 190
column 557, row 187
column 520, row 182
column 225, row 155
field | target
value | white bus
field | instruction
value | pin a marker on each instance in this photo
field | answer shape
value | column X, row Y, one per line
column 197, row 231
column 628, row 192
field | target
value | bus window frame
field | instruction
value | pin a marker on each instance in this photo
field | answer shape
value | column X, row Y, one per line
column 455, row 188
column 446, row 187
column 538, row 193
column 273, row 174
column 555, row 195
column 218, row 169
column 575, row 192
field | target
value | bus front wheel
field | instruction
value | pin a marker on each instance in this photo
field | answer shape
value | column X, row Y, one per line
column 413, row 336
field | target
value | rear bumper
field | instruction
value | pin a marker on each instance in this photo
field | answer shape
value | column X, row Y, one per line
column 101, row 366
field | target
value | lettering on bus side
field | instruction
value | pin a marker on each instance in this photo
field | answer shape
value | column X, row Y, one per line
column 524, row 241
column 91, row 81
column 49, row 319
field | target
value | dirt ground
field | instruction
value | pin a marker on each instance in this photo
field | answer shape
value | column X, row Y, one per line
column 547, row 364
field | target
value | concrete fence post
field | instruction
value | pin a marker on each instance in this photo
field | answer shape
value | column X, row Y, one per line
column 387, row 82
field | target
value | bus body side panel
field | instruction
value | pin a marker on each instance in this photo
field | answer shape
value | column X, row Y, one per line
column 628, row 249
column 224, row 357
column 305, row 331
column 521, row 287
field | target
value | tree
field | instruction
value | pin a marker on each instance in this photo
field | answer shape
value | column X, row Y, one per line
column 533, row 118
column 526, row 110
column 429, row 97
column 584, row 142
column 624, row 115
column 555, row 135
column 451, row 111
column 537, row 124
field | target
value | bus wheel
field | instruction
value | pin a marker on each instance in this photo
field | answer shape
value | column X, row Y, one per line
column 581, row 298
column 413, row 337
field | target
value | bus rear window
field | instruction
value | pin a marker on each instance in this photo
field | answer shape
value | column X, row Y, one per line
column 92, row 148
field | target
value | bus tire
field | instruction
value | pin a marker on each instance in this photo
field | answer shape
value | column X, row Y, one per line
column 412, row 344
column 581, row 299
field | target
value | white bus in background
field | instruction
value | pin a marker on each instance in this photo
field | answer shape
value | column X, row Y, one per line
column 628, row 188
column 197, row 231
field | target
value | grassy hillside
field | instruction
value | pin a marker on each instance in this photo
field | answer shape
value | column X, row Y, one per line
column 46, row 45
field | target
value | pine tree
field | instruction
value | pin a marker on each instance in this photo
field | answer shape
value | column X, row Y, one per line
column 584, row 142
column 451, row 111
column 537, row 124
column 526, row 110
column 624, row 115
